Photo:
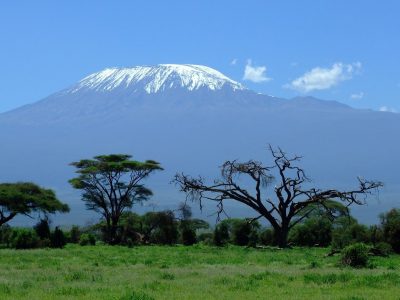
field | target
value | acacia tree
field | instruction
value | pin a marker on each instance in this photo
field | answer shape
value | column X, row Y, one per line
column 292, row 202
column 111, row 184
column 26, row 198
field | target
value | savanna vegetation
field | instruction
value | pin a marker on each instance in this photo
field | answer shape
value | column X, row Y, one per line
column 303, row 243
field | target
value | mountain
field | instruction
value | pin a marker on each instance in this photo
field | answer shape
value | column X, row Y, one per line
column 191, row 118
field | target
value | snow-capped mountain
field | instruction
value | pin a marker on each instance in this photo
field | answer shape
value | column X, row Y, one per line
column 155, row 79
column 192, row 118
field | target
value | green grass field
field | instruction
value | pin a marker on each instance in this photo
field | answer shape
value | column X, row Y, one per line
column 198, row 272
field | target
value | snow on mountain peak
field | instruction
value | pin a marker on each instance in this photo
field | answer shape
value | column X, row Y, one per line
column 153, row 79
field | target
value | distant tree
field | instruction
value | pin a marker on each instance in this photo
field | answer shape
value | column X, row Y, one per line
column 347, row 231
column 391, row 228
column 74, row 234
column 291, row 197
column 111, row 184
column 221, row 234
column 42, row 229
column 26, row 198
column 160, row 227
column 58, row 239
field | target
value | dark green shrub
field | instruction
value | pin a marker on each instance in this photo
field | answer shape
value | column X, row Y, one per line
column 87, row 239
column 206, row 238
column 74, row 234
column 23, row 238
column 315, row 231
column 58, row 239
column 382, row 249
column 5, row 235
column 347, row 231
column 391, row 228
column 267, row 237
column 188, row 234
column 160, row 227
column 221, row 234
column 42, row 229
column 355, row 255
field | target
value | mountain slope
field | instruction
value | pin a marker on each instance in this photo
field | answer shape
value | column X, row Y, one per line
column 192, row 123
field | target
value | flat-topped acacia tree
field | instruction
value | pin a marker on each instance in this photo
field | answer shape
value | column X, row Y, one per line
column 27, row 198
column 290, row 201
column 111, row 184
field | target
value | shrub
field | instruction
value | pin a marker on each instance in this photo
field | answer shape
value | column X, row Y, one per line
column 206, row 238
column 42, row 229
column 221, row 234
column 315, row 231
column 87, row 239
column 74, row 234
column 347, row 231
column 58, row 239
column 382, row 249
column 355, row 255
column 23, row 238
column 188, row 234
column 267, row 237
column 391, row 228
column 5, row 235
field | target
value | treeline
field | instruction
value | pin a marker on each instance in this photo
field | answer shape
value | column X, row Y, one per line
column 178, row 227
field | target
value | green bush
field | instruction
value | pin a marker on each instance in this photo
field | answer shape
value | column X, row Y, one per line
column 58, row 239
column 23, row 238
column 267, row 237
column 74, row 234
column 355, row 255
column 391, row 228
column 221, row 234
column 382, row 249
column 42, row 229
column 315, row 231
column 87, row 239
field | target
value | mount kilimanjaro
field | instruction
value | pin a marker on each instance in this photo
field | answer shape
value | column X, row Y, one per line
column 192, row 118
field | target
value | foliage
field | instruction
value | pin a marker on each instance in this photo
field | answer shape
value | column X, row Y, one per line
column 87, row 239
column 42, row 229
column 58, row 239
column 160, row 227
column 221, row 234
column 23, row 238
column 26, row 198
column 267, row 237
column 112, row 184
column 347, row 231
column 355, row 255
column 382, row 249
column 391, row 228
column 74, row 234
column 315, row 231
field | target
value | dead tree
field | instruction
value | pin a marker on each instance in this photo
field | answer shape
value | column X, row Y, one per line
column 292, row 202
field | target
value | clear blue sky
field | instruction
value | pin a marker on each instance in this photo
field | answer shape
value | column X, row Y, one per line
column 343, row 50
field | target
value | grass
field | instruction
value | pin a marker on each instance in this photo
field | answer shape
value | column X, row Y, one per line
column 198, row 272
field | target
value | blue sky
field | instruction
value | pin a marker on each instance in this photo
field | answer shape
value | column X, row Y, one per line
column 343, row 50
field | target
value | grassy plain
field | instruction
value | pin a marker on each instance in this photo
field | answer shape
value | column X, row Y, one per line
column 198, row 272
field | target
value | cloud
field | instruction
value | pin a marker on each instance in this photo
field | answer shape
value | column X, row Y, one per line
column 387, row 109
column 324, row 78
column 255, row 73
column 234, row 61
column 357, row 96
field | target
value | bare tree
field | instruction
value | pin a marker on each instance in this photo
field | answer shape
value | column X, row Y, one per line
column 292, row 201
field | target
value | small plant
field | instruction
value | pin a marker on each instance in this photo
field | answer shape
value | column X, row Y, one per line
column 355, row 255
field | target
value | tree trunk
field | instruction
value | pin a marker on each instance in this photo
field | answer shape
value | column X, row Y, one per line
column 282, row 237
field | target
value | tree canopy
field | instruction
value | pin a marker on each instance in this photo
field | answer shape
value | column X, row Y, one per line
column 111, row 184
column 27, row 198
